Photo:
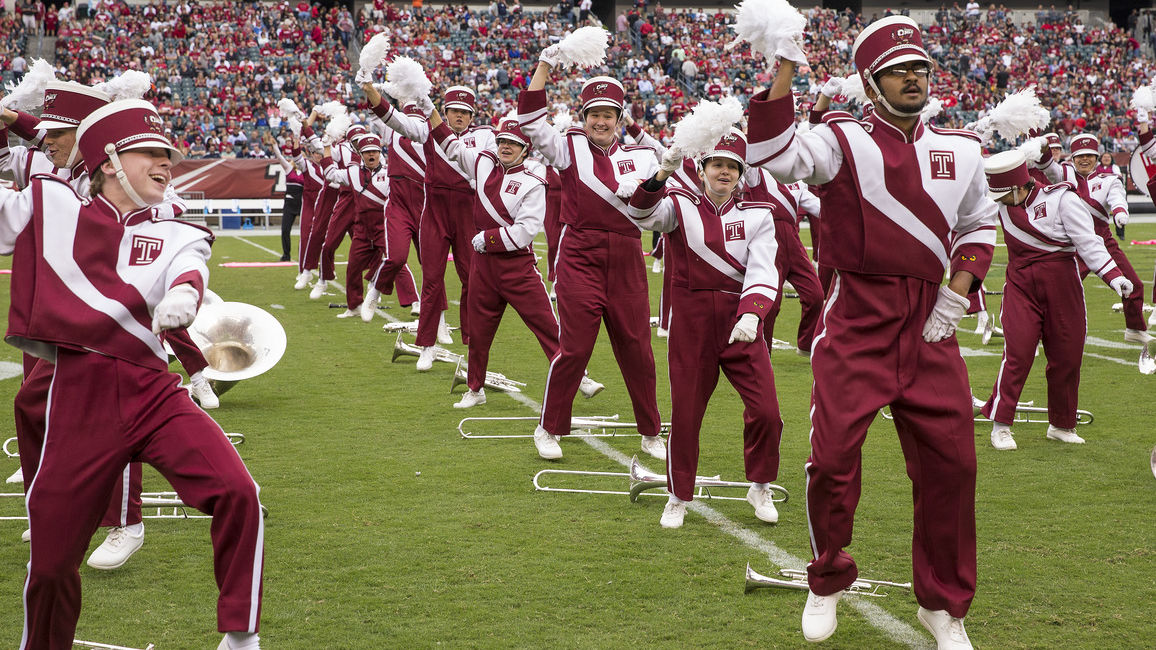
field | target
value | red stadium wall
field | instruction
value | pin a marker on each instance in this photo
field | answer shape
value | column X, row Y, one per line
column 230, row 178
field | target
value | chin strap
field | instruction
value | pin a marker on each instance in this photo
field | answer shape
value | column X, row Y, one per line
column 879, row 99
column 123, row 178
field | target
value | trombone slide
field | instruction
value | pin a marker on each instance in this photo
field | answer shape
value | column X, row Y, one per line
column 106, row 646
column 494, row 380
column 607, row 423
column 797, row 579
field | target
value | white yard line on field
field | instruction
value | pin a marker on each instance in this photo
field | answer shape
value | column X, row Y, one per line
column 256, row 245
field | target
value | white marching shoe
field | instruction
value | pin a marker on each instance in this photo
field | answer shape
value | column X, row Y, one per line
column 1137, row 336
column 547, row 444
column 981, row 321
column 444, row 336
column 426, row 358
column 230, row 642
column 369, row 305
column 348, row 313
column 653, row 446
column 1152, row 319
column 471, row 399
column 17, row 476
column 947, row 629
column 819, row 621
column 1001, row 439
column 415, row 308
column 589, row 387
column 117, row 548
column 764, row 504
column 202, row 391
column 673, row 514
column 303, row 280
column 656, row 267
column 1064, row 435
column 26, row 536
column 318, row 289
column 662, row 333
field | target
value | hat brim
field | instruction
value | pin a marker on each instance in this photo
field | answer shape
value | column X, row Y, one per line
column 906, row 57
column 460, row 106
column 49, row 125
column 997, row 195
column 175, row 154
column 595, row 103
column 722, row 154
column 1085, row 152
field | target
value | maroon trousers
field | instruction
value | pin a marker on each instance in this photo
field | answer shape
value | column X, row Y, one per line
column 697, row 350
column 364, row 253
column 340, row 224
column 447, row 224
column 402, row 219
column 308, row 207
column 1044, row 301
column 103, row 413
column 315, row 258
column 1133, row 302
column 497, row 280
column 601, row 279
column 795, row 267
column 869, row 353
column 553, row 227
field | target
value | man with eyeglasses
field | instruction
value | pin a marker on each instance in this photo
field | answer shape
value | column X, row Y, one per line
column 907, row 202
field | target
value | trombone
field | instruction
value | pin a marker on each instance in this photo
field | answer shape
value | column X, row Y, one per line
column 797, row 579
column 494, row 380
column 106, row 646
column 642, row 480
column 403, row 349
column 168, row 505
column 1025, row 413
column 406, row 326
column 609, row 424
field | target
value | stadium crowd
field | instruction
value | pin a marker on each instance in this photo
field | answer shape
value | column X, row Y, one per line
column 220, row 67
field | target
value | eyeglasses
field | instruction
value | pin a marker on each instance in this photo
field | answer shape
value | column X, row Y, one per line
column 902, row 71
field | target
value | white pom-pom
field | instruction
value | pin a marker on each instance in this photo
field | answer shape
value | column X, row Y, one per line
column 131, row 84
column 932, row 110
column 767, row 25
column 854, row 91
column 699, row 132
column 1033, row 149
column 1019, row 113
column 562, row 120
column 1144, row 98
column 407, row 80
column 338, row 125
column 584, row 48
column 372, row 56
column 331, row 109
column 294, row 125
column 289, row 109
column 29, row 93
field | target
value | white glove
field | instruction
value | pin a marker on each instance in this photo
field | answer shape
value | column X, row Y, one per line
column 363, row 76
column 746, row 329
column 551, row 55
column 1120, row 219
column 671, row 160
column 1122, row 286
column 177, row 309
column 425, row 105
column 792, row 50
column 626, row 189
column 833, row 87
column 1141, row 116
column 479, row 242
column 949, row 308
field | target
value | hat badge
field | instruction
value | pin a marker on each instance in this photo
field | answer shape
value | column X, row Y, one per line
column 49, row 100
column 601, row 88
column 903, row 35
column 728, row 139
column 154, row 124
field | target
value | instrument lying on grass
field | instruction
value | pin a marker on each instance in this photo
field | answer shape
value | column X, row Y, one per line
column 1147, row 362
column 105, row 646
column 409, row 327
column 642, row 480
column 1025, row 413
column 1153, row 460
column 403, row 349
column 797, row 579
column 608, row 424
column 167, row 506
column 240, row 341
column 494, row 380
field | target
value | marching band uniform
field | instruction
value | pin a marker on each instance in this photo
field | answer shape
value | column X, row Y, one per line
column 312, row 182
column 87, row 281
column 340, row 223
column 508, row 214
column 1043, row 296
column 721, row 261
column 599, row 267
column 1105, row 195
column 1148, row 148
column 911, row 208
column 449, row 200
column 406, row 166
column 315, row 258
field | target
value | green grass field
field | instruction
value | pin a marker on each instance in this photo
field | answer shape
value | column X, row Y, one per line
column 388, row 530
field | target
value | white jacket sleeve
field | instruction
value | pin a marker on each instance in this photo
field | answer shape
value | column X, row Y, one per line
column 552, row 145
column 813, row 157
column 762, row 275
column 1078, row 224
column 527, row 221
column 15, row 213
column 408, row 126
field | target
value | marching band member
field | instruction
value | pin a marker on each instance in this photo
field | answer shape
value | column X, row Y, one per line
column 89, row 310
column 337, row 221
column 599, row 268
column 721, row 260
column 65, row 105
column 912, row 206
column 294, row 197
column 317, row 260
column 445, row 223
column 313, row 183
column 1105, row 195
column 1148, row 148
column 508, row 214
column 1045, row 230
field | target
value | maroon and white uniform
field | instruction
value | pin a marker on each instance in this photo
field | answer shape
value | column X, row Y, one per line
column 344, row 206
column 446, row 223
column 1148, row 148
column 313, row 182
column 85, row 282
column 1043, row 298
column 370, row 190
column 909, row 210
column 721, row 261
column 406, row 168
column 599, row 269
column 509, row 208
column 794, row 265
column 1105, row 195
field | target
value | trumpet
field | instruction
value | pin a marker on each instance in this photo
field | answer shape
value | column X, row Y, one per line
column 106, row 646
column 608, row 424
column 494, row 380
column 643, row 480
column 797, row 579
column 403, row 349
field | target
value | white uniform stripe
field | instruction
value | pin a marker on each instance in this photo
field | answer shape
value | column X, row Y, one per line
column 696, row 239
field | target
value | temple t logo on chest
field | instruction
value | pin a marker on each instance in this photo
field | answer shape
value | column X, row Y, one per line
column 625, row 166
column 512, row 187
column 942, row 165
column 144, row 250
column 735, row 231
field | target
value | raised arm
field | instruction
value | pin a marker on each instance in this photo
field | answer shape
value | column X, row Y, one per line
column 465, row 158
column 814, row 157
column 408, row 126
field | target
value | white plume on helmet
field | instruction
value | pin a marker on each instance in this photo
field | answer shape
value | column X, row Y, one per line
column 131, row 84
column 29, row 93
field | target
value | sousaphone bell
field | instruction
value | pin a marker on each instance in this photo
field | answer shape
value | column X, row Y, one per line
column 240, row 341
